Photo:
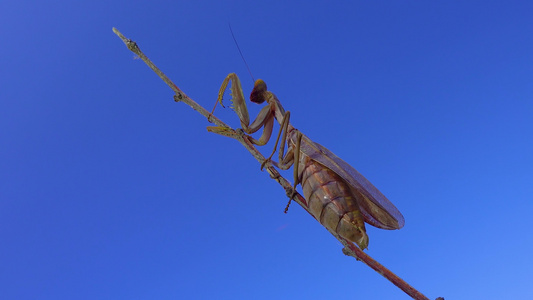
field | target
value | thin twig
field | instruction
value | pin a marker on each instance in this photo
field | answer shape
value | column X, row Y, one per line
column 349, row 248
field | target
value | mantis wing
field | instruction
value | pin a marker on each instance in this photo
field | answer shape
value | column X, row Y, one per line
column 377, row 210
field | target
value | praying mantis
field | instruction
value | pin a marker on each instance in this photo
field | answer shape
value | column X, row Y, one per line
column 337, row 195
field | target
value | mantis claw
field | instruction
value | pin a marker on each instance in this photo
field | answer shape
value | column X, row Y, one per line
column 287, row 207
column 269, row 159
column 264, row 163
column 225, row 131
column 290, row 195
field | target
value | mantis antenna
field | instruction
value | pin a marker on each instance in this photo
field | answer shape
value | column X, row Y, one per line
column 242, row 56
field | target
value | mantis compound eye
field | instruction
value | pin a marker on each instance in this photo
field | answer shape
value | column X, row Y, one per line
column 258, row 93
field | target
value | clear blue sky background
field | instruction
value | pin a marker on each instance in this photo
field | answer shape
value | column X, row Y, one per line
column 110, row 190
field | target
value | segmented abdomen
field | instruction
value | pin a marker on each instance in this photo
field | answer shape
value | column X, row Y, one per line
column 331, row 201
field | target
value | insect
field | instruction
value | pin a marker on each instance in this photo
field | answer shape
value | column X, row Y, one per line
column 337, row 195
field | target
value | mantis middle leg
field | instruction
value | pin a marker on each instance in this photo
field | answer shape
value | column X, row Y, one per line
column 292, row 157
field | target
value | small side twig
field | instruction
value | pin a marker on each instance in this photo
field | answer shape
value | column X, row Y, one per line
column 349, row 248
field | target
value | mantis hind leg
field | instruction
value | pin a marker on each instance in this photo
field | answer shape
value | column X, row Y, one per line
column 296, row 151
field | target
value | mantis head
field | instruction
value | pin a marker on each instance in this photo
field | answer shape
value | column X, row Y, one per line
column 258, row 94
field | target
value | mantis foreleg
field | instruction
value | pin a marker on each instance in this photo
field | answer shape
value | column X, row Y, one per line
column 265, row 118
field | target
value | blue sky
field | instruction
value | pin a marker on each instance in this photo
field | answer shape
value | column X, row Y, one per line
column 110, row 190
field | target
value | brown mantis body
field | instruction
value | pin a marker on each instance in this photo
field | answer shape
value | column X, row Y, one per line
column 338, row 196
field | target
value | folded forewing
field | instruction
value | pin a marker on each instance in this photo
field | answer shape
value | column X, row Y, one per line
column 377, row 210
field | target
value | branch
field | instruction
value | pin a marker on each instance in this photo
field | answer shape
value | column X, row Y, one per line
column 349, row 248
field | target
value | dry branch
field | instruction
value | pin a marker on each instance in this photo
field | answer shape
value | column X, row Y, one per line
column 349, row 248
